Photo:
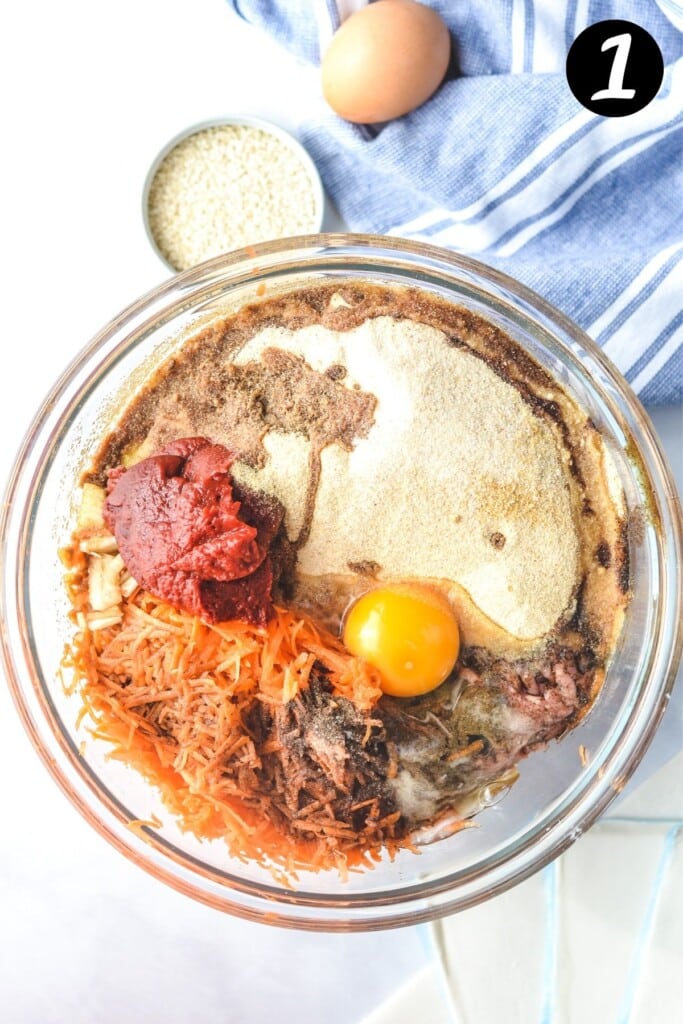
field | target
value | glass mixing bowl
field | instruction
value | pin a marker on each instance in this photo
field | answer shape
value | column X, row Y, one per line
column 557, row 796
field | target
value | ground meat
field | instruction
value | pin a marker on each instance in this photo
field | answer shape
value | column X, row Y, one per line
column 487, row 717
column 323, row 760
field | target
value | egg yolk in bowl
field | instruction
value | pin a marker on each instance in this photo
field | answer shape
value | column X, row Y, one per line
column 408, row 632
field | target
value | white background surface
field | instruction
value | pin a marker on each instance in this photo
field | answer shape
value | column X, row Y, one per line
column 91, row 93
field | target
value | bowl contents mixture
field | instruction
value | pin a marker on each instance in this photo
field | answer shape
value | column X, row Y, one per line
column 348, row 557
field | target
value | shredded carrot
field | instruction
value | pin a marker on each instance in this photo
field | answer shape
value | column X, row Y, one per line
column 184, row 702
column 139, row 826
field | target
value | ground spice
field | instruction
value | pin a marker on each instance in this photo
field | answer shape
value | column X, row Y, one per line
column 225, row 187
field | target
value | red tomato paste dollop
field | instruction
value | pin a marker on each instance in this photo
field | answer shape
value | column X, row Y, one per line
column 191, row 536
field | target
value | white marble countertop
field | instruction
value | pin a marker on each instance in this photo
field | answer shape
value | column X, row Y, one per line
column 92, row 94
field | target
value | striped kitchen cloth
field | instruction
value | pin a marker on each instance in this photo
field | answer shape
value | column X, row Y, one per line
column 504, row 164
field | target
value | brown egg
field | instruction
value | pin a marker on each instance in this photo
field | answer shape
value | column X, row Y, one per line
column 385, row 61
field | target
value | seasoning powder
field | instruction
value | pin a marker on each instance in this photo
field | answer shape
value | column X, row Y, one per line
column 225, row 187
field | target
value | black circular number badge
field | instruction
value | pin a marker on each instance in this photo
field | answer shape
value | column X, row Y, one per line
column 614, row 68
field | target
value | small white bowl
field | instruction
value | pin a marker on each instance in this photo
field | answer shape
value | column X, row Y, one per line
column 283, row 136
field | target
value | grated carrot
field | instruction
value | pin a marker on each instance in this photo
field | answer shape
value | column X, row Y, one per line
column 175, row 698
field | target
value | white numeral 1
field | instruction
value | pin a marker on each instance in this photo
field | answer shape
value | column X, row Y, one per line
column 615, row 86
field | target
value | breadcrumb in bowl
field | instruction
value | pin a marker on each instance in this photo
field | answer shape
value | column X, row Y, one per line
column 223, row 185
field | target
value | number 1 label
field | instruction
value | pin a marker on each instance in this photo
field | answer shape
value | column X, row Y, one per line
column 633, row 51
column 615, row 87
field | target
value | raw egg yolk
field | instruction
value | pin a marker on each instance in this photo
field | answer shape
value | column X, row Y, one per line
column 408, row 633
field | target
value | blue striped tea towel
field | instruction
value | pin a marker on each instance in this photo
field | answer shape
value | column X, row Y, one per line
column 505, row 165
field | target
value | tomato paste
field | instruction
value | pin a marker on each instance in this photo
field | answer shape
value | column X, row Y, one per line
column 185, row 536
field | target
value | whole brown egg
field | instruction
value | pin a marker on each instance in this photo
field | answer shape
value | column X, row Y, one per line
column 385, row 60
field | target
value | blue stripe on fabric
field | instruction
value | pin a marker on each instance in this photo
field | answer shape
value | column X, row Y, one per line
column 237, row 7
column 666, row 387
column 654, row 348
column 618, row 148
column 668, row 5
column 645, row 293
column 647, row 927
column 333, row 12
column 508, row 33
column 440, row 225
column 529, row 35
column 569, row 20
column 520, row 185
